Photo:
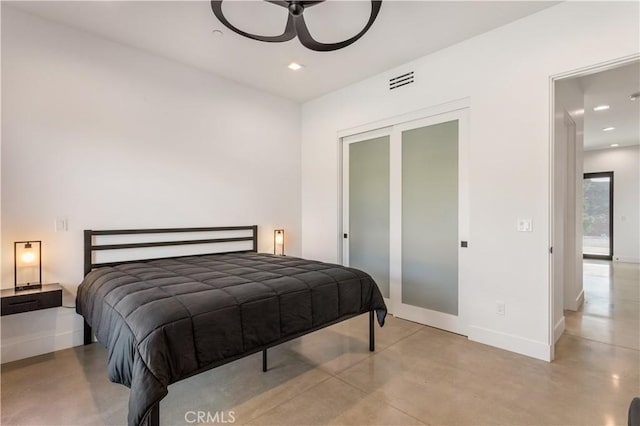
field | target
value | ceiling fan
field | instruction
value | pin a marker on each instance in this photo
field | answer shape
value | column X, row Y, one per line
column 296, row 25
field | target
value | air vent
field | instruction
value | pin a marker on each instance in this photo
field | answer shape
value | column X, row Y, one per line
column 401, row 80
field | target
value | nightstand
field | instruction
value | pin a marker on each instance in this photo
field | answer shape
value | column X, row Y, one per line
column 15, row 302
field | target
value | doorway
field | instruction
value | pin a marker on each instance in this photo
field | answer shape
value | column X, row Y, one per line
column 405, row 215
column 591, row 269
column 597, row 238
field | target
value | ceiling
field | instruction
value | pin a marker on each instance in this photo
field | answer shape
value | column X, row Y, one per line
column 184, row 31
column 613, row 88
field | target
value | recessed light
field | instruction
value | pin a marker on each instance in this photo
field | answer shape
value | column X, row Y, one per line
column 608, row 129
column 615, row 145
column 601, row 108
column 634, row 96
column 294, row 66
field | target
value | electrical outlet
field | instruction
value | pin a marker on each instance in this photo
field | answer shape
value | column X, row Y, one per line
column 525, row 225
column 500, row 308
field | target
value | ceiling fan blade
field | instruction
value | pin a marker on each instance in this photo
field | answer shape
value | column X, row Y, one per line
column 309, row 42
column 305, row 3
column 309, row 3
column 282, row 3
column 288, row 34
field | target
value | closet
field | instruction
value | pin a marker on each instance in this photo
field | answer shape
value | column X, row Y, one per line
column 405, row 214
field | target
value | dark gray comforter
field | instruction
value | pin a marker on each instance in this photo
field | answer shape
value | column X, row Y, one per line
column 167, row 319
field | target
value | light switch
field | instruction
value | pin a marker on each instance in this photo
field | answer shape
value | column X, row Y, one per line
column 61, row 224
column 525, row 225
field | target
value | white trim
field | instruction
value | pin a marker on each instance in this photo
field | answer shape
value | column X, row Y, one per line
column 509, row 342
column 625, row 259
column 411, row 116
column 550, row 172
column 596, row 68
column 572, row 259
column 431, row 318
column 580, row 299
column 340, row 202
column 387, row 301
column 558, row 329
column 371, row 134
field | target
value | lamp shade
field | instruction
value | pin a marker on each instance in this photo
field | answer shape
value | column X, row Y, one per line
column 278, row 242
column 27, row 264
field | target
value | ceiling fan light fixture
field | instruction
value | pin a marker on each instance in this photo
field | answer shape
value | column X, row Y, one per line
column 296, row 25
column 295, row 8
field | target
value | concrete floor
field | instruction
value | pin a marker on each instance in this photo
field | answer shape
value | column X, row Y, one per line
column 611, row 310
column 418, row 375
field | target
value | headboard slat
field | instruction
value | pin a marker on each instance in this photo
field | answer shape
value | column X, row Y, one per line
column 169, row 243
column 171, row 230
column 90, row 247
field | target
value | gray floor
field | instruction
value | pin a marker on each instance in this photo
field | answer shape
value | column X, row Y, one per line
column 611, row 310
column 418, row 375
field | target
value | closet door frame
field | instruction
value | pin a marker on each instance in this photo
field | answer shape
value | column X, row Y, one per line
column 454, row 110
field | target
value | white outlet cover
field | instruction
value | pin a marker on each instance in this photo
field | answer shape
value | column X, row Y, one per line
column 525, row 225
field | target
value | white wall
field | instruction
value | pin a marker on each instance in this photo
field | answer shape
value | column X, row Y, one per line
column 625, row 164
column 505, row 73
column 112, row 137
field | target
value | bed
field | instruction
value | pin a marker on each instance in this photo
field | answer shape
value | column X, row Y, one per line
column 164, row 319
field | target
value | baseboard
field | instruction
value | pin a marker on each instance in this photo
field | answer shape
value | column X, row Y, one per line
column 558, row 329
column 579, row 301
column 509, row 342
column 625, row 259
column 575, row 304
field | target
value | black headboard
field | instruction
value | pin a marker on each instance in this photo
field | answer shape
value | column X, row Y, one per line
column 90, row 247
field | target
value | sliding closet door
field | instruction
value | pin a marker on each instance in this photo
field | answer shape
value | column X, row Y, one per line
column 366, row 207
column 405, row 220
column 433, row 220
column 430, row 217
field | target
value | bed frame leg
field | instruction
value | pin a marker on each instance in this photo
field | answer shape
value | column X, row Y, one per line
column 154, row 416
column 88, row 334
column 264, row 360
column 372, row 334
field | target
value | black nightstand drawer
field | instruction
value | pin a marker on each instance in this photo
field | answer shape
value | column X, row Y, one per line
column 50, row 296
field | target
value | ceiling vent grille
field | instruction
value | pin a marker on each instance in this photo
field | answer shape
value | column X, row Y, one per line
column 401, row 80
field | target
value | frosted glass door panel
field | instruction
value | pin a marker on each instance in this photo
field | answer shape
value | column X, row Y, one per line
column 369, row 209
column 430, row 217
